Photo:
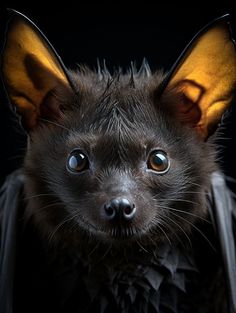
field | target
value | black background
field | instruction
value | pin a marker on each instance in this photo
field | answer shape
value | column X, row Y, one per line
column 119, row 32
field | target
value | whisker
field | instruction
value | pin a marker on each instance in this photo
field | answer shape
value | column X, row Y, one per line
column 181, row 228
column 48, row 206
column 194, row 184
column 94, row 249
column 180, row 200
column 37, row 211
column 58, row 227
column 195, row 227
column 54, row 123
column 141, row 246
column 164, row 223
column 105, row 254
column 150, row 237
column 194, row 192
column 155, row 222
column 164, row 232
column 155, row 197
column 185, row 212
column 38, row 195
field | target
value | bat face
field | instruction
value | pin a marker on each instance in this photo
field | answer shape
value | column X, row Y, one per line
column 116, row 166
column 118, row 157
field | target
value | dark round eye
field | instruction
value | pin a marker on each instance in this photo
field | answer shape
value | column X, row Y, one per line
column 158, row 161
column 77, row 161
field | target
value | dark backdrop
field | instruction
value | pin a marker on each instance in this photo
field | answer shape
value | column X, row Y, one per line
column 120, row 34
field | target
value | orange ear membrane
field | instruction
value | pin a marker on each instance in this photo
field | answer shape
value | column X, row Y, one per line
column 31, row 68
column 205, row 77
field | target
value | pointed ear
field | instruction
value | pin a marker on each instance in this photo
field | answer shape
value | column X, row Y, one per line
column 204, row 78
column 31, row 70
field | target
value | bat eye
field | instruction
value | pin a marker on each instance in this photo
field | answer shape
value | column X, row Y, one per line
column 77, row 161
column 158, row 162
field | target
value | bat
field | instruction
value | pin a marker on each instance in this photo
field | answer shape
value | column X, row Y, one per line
column 120, row 205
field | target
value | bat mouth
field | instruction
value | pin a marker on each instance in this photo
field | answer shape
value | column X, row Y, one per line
column 115, row 232
column 121, row 232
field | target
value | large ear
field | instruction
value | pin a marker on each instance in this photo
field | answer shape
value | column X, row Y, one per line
column 31, row 70
column 204, row 77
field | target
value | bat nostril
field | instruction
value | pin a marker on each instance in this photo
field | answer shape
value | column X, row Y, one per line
column 110, row 210
column 120, row 208
column 128, row 210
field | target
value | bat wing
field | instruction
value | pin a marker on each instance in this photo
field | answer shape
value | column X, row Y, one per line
column 10, row 201
column 223, row 212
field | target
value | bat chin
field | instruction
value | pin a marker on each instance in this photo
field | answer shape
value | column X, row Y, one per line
column 121, row 233
column 115, row 233
column 129, row 234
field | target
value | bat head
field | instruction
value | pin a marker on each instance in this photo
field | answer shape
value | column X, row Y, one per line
column 118, row 157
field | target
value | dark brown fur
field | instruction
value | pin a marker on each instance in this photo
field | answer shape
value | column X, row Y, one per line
column 117, row 121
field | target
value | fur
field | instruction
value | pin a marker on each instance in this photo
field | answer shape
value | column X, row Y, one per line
column 117, row 121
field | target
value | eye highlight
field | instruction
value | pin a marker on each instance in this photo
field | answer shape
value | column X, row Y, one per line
column 77, row 161
column 158, row 162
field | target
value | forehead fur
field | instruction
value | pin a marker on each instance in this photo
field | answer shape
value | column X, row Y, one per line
column 105, row 102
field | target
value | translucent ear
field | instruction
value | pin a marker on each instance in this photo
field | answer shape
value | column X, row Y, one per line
column 31, row 68
column 205, row 77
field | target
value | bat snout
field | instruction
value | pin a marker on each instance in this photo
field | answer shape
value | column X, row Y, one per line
column 119, row 209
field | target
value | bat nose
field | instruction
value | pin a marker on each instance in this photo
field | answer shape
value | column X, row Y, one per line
column 120, row 208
